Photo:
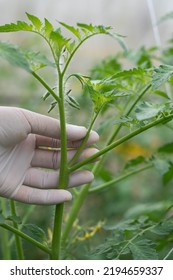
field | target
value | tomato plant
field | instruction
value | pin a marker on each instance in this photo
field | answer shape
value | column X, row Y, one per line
column 125, row 103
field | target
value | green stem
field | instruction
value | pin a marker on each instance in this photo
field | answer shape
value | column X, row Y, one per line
column 4, row 235
column 80, row 149
column 26, row 237
column 17, row 238
column 63, row 177
column 46, row 86
column 120, row 141
column 120, row 178
column 84, row 191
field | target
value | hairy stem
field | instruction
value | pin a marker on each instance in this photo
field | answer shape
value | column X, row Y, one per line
column 63, row 177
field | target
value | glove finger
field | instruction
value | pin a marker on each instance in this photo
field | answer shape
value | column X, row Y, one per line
column 51, row 158
column 31, row 195
column 44, row 179
column 50, row 127
column 43, row 141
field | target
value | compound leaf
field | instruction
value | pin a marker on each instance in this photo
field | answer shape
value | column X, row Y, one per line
column 35, row 21
column 72, row 29
column 148, row 110
column 143, row 250
column 161, row 75
column 14, row 56
column 14, row 27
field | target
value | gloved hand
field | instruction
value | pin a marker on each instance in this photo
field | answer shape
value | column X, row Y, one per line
column 28, row 173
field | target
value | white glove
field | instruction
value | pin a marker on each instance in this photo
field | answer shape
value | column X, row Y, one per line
column 24, row 174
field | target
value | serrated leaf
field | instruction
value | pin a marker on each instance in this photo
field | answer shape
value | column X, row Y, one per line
column 35, row 232
column 163, row 228
column 59, row 41
column 48, row 27
column 143, row 250
column 35, row 21
column 14, row 27
column 161, row 75
column 72, row 29
column 147, row 110
column 38, row 60
column 136, row 161
column 14, row 56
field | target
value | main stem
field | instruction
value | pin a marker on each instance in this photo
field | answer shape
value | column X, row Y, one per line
column 63, row 176
column 17, row 238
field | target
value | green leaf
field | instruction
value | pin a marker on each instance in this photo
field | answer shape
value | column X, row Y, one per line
column 48, row 28
column 167, row 148
column 161, row 75
column 37, row 60
column 134, row 162
column 14, row 56
column 59, row 41
column 2, row 218
column 14, row 27
column 143, row 250
column 168, row 176
column 52, row 106
column 72, row 102
column 147, row 110
column 35, row 232
column 72, row 29
column 35, row 21
column 163, row 228
column 15, row 219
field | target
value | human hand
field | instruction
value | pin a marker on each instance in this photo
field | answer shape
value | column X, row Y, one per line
column 29, row 173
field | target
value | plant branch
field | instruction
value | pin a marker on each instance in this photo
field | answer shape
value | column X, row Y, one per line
column 26, row 237
column 80, row 149
column 17, row 238
column 121, row 140
column 56, row 97
column 120, row 178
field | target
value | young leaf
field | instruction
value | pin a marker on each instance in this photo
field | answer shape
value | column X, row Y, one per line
column 143, row 250
column 35, row 232
column 35, row 21
column 148, row 110
column 72, row 29
column 72, row 102
column 52, row 106
column 14, row 56
column 48, row 28
column 14, row 27
column 161, row 75
column 59, row 41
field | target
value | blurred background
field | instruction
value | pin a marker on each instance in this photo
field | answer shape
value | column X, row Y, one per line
column 129, row 18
